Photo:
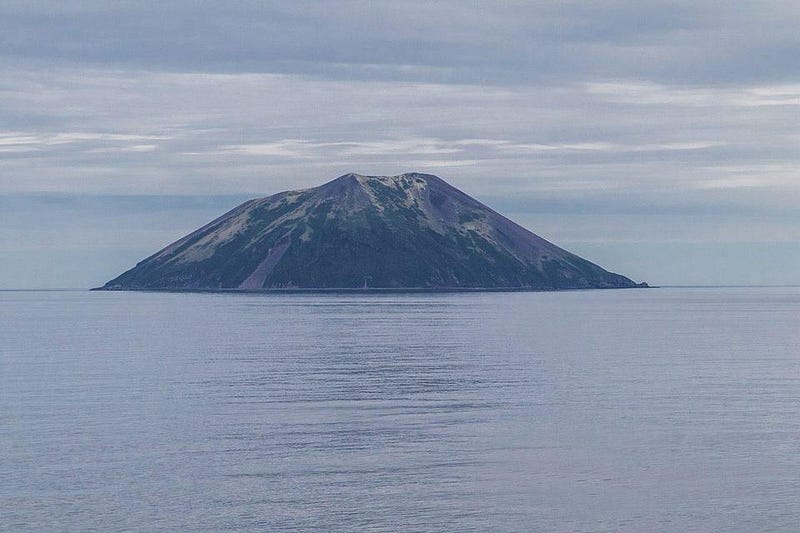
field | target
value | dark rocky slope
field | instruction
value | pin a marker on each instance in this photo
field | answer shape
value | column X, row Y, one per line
column 407, row 231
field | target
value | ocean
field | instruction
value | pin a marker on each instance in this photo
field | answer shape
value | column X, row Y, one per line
column 674, row 409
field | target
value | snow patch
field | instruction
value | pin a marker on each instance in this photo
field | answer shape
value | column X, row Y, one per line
column 207, row 246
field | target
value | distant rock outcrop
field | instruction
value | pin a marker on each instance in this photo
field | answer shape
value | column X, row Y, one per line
column 407, row 231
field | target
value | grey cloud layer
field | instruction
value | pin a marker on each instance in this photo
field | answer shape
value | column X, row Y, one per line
column 487, row 42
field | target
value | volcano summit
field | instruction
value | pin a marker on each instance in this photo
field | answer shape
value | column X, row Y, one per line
column 407, row 231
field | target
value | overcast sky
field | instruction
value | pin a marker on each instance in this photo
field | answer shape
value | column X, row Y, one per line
column 659, row 139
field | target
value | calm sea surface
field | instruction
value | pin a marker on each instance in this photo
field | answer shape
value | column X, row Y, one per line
column 636, row 410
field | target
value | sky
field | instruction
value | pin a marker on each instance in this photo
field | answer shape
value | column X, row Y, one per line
column 658, row 139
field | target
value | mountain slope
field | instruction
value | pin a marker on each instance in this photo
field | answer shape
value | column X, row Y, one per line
column 406, row 231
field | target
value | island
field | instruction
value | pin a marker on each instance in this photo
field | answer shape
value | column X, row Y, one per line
column 412, row 231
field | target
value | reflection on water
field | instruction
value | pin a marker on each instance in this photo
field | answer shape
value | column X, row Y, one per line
column 665, row 409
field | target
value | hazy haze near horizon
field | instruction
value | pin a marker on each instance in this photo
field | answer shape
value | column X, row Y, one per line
column 657, row 139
